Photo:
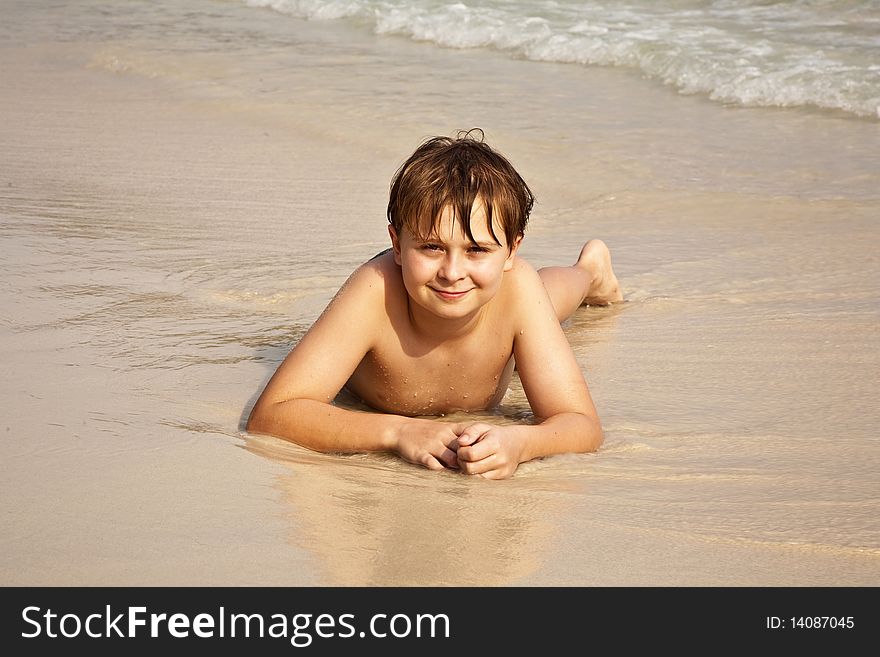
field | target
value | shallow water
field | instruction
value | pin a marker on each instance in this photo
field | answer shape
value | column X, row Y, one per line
column 777, row 53
column 183, row 188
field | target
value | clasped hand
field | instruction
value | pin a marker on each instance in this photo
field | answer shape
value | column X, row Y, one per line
column 479, row 448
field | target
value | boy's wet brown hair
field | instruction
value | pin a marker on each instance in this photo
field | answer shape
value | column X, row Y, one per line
column 454, row 172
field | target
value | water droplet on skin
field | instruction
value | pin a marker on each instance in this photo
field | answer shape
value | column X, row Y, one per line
column 451, row 388
column 521, row 331
column 465, row 395
column 415, row 394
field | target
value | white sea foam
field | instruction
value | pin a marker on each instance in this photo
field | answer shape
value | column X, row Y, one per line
column 821, row 53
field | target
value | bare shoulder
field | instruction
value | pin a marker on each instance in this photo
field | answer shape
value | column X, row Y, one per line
column 325, row 357
column 523, row 273
column 367, row 287
column 524, row 292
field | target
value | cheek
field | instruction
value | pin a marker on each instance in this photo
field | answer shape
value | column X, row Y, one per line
column 416, row 270
column 488, row 274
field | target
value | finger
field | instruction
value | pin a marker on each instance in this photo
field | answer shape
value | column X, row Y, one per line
column 452, row 443
column 458, row 427
column 478, row 467
column 472, row 427
column 455, row 440
column 478, row 451
column 431, row 462
column 473, row 433
column 449, row 459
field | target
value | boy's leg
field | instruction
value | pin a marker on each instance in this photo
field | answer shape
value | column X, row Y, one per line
column 590, row 280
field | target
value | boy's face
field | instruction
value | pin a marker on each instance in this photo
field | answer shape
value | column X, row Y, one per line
column 447, row 274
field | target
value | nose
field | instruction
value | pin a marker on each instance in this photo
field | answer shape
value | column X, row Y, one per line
column 452, row 267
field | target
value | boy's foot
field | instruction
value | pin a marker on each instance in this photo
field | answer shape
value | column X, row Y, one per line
column 604, row 288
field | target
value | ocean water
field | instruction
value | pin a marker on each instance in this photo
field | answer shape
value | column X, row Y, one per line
column 787, row 53
column 184, row 186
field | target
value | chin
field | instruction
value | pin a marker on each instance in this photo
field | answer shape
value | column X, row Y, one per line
column 455, row 310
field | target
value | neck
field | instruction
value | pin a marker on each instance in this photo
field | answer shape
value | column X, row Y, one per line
column 437, row 329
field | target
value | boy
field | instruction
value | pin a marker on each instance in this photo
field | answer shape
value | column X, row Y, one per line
column 436, row 323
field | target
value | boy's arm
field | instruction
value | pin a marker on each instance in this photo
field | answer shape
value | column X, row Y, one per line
column 554, row 385
column 552, row 378
column 296, row 402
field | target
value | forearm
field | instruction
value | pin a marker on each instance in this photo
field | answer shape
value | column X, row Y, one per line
column 325, row 427
column 560, row 434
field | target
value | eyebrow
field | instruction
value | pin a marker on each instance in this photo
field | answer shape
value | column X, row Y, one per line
column 433, row 238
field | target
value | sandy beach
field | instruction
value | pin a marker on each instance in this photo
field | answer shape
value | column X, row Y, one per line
column 183, row 189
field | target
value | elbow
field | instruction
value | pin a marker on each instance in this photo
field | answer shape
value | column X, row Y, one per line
column 259, row 420
column 253, row 423
column 597, row 437
column 593, row 435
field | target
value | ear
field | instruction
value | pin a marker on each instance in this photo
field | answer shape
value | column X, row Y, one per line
column 395, row 243
column 508, row 264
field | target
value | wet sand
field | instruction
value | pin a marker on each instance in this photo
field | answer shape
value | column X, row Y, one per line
column 173, row 222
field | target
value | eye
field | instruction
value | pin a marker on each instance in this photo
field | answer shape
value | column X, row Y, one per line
column 478, row 249
column 430, row 247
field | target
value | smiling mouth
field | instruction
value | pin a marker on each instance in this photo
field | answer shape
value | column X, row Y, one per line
column 448, row 294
